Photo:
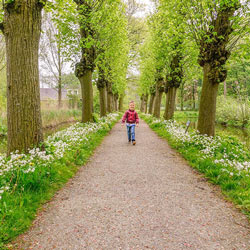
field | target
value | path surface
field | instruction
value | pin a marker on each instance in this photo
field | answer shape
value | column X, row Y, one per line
column 137, row 197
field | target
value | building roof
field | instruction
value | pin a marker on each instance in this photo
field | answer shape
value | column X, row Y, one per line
column 51, row 94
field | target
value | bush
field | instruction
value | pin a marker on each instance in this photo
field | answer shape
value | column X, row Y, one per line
column 232, row 112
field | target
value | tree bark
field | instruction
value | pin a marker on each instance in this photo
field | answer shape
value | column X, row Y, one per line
column 151, row 103
column 59, row 77
column 157, row 103
column 121, row 98
column 87, row 96
column 207, row 109
column 142, row 103
column 166, row 106
column 22, row 28
column 182, row 96
column 103, row 101
column 116, row 96
column 145, row 107
column 170, row 103
column 60, row 89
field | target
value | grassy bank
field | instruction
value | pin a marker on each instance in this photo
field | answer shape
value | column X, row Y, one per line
column 223, row 160
column 29, row 180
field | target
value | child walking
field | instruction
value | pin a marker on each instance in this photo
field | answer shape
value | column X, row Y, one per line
column 131, row 118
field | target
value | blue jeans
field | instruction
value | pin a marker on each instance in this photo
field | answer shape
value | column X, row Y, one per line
column 131, row 131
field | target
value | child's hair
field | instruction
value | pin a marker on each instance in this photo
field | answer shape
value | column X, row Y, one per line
column 131, row 102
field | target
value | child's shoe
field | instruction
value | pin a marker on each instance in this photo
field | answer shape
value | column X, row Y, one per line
column 134, row 142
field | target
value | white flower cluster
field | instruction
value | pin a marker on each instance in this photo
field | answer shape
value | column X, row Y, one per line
column 56, row 145
column 234, row 160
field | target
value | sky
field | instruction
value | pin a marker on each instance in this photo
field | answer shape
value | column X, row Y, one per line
column 149, row 7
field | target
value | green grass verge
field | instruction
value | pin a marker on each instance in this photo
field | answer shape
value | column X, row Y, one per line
column 19, row 210
column 235, row 185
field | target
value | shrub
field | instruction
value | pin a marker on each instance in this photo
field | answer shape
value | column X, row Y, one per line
column 232, row 112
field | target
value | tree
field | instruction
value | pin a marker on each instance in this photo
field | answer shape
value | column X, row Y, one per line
column 21, row 27
column 51, row 54
column 84, row 69
column 217, row 27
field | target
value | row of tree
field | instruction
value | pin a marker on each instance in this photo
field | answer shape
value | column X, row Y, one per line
column 92, row 34
column 182, row 33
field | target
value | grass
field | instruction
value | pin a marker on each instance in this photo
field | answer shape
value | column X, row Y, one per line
column 53, row 117
column 233, row 179
column 19, row 207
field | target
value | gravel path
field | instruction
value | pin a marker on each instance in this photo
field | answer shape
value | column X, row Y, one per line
column 137, row 197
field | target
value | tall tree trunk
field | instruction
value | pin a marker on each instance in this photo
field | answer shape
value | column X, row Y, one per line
column 151, row 103
column 87, row 96
column 157, row 104
column 59, row 78
column 121, row 98
column 142, row 102
column 103, row 101
column 145, row 107
column 207, row 109
column 182, row 96
column 60, row 90
column 22, row 28
column 166, row 105
column 116, row 96
column 170, row 106
column 112, row 102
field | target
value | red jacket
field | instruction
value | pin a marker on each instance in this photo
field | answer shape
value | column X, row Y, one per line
column 130, row 116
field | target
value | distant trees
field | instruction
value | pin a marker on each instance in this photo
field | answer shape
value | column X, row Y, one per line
column 52, row 56
column 216, row 27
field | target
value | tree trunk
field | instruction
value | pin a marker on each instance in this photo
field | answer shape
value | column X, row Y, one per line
column 166, row 106
column 157, row 104
column 151, row 104
column 87, row 96
column 142, row 103
column 60, row 90
column 22, row 27
column 121, row 103
column 182, row 96
column 170, row 103
column 207, row 109
column 59, row 78
column 145, row 107
column 103, row 101
column 116, row 102
column 109, row 102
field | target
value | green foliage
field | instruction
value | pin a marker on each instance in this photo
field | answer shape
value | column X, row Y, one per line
column 233, row 112
column 54, row 117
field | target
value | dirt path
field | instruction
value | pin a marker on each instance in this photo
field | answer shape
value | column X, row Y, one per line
column 137, row 197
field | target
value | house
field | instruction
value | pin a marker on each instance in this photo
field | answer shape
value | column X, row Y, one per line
column 49, row 97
